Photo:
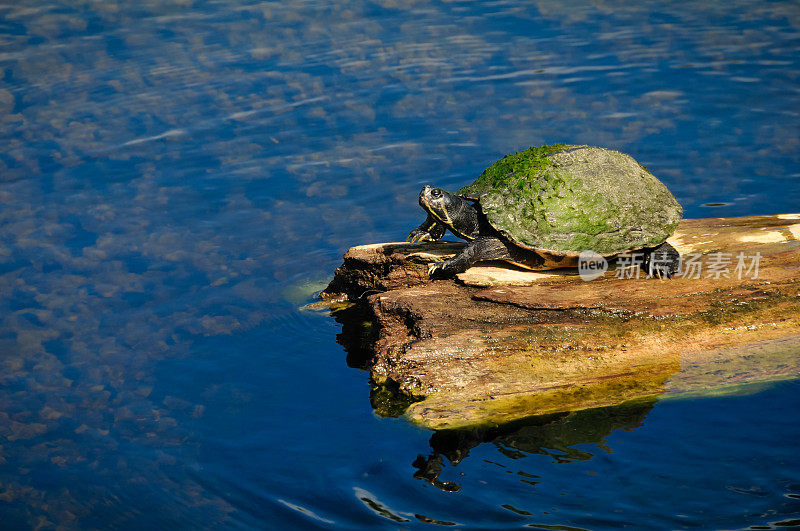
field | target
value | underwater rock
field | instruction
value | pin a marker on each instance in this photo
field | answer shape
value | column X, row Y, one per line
column 500, row 344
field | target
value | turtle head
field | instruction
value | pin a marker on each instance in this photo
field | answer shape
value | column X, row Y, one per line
column 452, row 211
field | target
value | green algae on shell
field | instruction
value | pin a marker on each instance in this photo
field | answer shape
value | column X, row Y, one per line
column 566, row 199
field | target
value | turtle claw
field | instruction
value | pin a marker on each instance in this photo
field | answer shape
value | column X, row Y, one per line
column 417, row 235
column 436, row 270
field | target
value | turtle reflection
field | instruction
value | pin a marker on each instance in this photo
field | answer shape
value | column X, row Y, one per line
column 555, row 435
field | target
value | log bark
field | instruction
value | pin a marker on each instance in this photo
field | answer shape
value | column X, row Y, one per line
column 498, row 343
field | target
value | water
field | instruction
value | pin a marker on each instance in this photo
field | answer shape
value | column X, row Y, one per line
column 179, row 176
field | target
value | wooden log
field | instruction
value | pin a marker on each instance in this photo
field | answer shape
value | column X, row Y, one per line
column 500, row 343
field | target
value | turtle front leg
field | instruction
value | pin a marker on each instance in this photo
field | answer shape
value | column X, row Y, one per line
column 486, row 248
column 663, row 261
column 430, row 230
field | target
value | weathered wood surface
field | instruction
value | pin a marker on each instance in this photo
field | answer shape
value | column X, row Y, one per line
column 501, row 344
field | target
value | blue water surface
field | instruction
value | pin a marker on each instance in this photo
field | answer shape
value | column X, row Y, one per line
column 177, row 177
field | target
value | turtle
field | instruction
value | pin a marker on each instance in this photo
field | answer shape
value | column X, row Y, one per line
column 542, row 207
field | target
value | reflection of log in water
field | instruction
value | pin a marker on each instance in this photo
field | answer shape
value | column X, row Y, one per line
column 555, row 435
column 358, row 334
column 500, row 345
column 358, row 337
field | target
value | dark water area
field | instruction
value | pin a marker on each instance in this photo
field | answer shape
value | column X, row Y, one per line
column 177, row 177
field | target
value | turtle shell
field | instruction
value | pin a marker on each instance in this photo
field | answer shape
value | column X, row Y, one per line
column 566, row 199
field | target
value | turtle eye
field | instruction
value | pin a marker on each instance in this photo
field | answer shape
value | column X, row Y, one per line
column 436, row 193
